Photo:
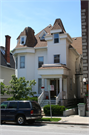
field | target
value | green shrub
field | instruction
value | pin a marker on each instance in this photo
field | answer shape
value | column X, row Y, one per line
column 28, row 98
column 56, row 110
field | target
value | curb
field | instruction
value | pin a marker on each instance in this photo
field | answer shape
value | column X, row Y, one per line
column 47, row 122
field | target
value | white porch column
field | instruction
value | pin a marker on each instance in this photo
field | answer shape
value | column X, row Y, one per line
column 48, row 83
column 60, row 86
column 43, row 82
column 56, row 87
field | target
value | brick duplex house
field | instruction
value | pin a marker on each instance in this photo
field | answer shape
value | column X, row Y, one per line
column 51, row 57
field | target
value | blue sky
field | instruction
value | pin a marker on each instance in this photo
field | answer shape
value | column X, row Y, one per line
column 15, row 15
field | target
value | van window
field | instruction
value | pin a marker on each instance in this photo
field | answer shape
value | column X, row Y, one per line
column 12, row 105
column 24, row 105
column 35, row 106
column 4, row 104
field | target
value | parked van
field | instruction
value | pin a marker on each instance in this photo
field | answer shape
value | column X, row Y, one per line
column 20, row 111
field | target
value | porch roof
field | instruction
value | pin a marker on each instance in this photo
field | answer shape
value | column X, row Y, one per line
column 58, row 67
column 53, row 70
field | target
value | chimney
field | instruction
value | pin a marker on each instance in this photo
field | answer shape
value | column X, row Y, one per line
column 7, row 49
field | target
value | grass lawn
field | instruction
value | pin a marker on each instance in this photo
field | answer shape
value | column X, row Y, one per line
column 49, row 119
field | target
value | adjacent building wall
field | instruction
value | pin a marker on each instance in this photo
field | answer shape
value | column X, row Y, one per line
column 85, row 39
column 6, row 74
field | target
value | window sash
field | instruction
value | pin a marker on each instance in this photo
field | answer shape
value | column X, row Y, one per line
column 40, row 62
column 22, row 40
column 16, row 62
column 22, row 61
column 56, row 38
column 39, row 85
column 56, row 58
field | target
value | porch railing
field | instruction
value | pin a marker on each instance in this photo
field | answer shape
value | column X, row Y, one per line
column 57, row 98
column 41, row 97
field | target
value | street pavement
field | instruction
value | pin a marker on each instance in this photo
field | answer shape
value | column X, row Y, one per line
column 72, row 119
column 43, row 129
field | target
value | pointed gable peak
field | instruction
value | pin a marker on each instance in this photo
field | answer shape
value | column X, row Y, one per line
column 58, row 25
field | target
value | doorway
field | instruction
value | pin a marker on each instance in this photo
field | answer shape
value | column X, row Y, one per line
column 53, row 93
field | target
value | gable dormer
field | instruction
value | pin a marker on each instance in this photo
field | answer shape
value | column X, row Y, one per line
column 26, row 38
column 42, row 35
column 58, row 27
column 22, row 40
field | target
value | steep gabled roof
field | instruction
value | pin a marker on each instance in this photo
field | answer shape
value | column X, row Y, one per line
column 3, row 62
column 58, row 25
column 30, row 38
column 39, row 42
column 77, row 44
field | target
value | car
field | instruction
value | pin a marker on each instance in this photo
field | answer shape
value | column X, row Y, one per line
column 20, row 111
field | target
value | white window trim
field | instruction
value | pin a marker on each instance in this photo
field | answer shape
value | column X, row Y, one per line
column 20, row 62
column 38, row 60
column 42, row 33
column 59, row 58
column 24, row 39
column 53, row 38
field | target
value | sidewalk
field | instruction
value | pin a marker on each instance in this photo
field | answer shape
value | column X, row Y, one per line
column 72, row 119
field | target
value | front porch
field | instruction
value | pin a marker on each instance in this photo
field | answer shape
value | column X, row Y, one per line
column 57, row 76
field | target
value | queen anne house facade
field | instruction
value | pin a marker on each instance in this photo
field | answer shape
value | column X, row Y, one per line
column 51, row 57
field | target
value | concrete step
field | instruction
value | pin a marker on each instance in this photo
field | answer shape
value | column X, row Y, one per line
column 46, row 102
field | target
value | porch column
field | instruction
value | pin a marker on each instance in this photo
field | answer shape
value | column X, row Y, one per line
column 57, row 87
column 43, row 82
column 60, row 86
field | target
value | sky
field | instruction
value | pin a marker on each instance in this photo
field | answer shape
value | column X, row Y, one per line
column 15, row 15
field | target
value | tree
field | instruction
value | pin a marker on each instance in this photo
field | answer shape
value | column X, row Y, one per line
column 20, row 88
column 2, row 88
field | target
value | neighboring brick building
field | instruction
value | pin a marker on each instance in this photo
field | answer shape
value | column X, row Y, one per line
column 85, row 39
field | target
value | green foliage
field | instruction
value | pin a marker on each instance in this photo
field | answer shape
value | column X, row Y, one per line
column 20, row 88
column 2, row 88
column 28, row 98
column 56, row 110
column 49, row 119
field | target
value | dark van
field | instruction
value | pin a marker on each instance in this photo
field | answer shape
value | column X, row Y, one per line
column 20, row 111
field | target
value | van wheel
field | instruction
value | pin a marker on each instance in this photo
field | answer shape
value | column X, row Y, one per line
column 20, row 120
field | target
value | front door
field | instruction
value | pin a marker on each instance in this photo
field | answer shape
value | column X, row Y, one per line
column 53, row 93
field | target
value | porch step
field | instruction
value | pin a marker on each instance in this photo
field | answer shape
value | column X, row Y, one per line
column 46, row 102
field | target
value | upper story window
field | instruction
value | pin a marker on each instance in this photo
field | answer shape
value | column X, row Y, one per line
column 56, row 58
column 40, row 62
column 16, row 62
column 56, row 38
column 43, row 37
column 22, row 61
column 22, row 40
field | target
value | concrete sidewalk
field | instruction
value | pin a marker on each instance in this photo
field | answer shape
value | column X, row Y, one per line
column 72, row 119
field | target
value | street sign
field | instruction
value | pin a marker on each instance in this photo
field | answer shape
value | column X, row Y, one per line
column 50, row 87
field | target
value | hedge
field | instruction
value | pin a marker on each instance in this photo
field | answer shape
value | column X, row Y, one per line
column 56, row 110
column 28, row 98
